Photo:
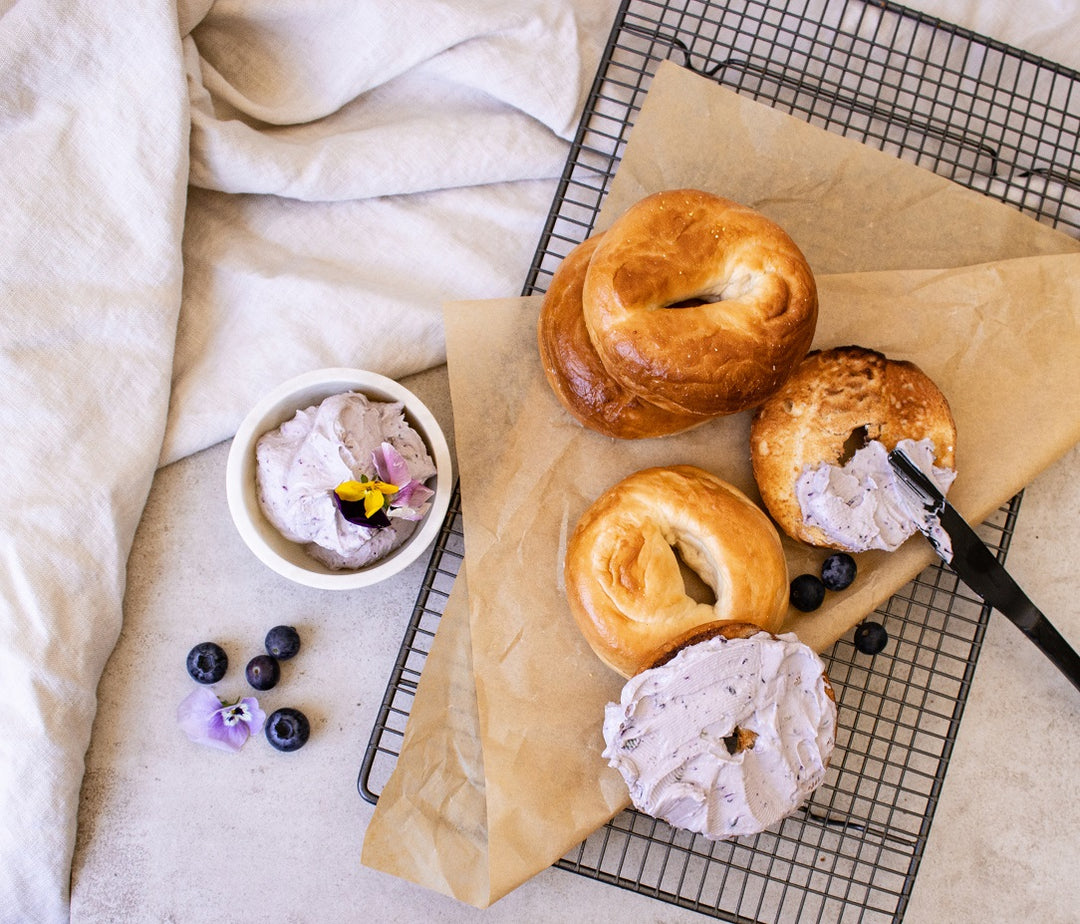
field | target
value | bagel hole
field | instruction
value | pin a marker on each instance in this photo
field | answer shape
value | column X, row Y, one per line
column 856, row 440
column 741, row 739
column 693, row 586
column 691, row 303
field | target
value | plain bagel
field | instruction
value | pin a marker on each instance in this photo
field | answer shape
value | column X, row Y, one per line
column 574, row 370
column 699, row 304
column 623, row 582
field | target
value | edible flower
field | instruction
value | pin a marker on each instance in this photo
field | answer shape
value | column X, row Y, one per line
column 373, row 494
column 371, row 502
column 208, row 720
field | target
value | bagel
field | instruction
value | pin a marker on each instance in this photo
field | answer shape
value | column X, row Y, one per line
column 573, row 368
column 838, row 401
column 726, row 733
column 698, row 304
column 623, row 580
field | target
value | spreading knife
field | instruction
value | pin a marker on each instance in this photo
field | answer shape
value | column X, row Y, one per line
column 979, row 568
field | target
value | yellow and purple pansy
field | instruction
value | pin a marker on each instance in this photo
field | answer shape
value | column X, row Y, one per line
column 371, row 502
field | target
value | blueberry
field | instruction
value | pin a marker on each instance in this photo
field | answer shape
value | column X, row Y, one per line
column 263, row 672
column 838, row 571
column 287, row 729
column 870, row 637
column 207, row 662
column 807, row 592
column 283, row 642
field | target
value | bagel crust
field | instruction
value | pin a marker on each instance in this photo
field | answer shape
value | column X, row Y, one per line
column 699, row 304
column 623, row 582
column 702, row 633
column 574, row 370
column 835, row 400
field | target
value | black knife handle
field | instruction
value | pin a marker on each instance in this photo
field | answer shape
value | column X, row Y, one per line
column 1051, row 643
column 982, row 572
column 996, row 586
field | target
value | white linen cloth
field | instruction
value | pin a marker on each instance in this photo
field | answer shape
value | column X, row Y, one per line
column 93, row 165
column 353, row 164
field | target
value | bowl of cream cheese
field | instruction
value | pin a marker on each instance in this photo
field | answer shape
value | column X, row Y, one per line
column 338, row 478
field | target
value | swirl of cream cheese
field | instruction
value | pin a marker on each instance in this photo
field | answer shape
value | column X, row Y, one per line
column 864, row 505
column 727, row 738
column 301, row 463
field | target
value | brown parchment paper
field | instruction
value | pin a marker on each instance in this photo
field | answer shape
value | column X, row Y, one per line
column 431, row 823
column 990, row 309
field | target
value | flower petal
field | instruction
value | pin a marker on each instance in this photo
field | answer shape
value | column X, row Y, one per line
column 227, row 737
column 353, row 511
column 373, row 503
column 408, row 513
column 390, row 465
column 350, row 491
column 414, row 494
column 195, row 710
column 199, row 717
column 258, row 717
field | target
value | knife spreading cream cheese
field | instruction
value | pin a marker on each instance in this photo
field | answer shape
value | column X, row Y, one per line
column 863, row 505
column 728, row 737
column 301, row 463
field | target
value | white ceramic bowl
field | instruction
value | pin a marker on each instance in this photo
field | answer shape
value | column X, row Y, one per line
column 288, row 558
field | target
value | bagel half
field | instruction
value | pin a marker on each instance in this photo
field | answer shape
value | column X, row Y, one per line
column 728, row 734
column 837, row 400
column 623, row 580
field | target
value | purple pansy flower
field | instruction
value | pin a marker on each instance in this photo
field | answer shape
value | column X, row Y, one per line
column 208, row 720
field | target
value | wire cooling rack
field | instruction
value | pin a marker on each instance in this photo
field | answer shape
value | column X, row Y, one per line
column 985, row 115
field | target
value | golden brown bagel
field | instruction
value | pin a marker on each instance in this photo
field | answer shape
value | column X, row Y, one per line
column 836, row 399
column 623, row 582
column 699, row 304
column 573, row 368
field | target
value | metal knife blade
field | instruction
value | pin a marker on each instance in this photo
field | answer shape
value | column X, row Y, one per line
column 977, row 567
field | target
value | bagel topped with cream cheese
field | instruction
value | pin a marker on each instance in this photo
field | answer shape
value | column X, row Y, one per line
column 819, row 448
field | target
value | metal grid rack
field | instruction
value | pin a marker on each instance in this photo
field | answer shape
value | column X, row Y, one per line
column 985, row 115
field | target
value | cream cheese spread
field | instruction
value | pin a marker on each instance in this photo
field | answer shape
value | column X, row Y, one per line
column 673, row 734
column 299, row 465
column 863, row 505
